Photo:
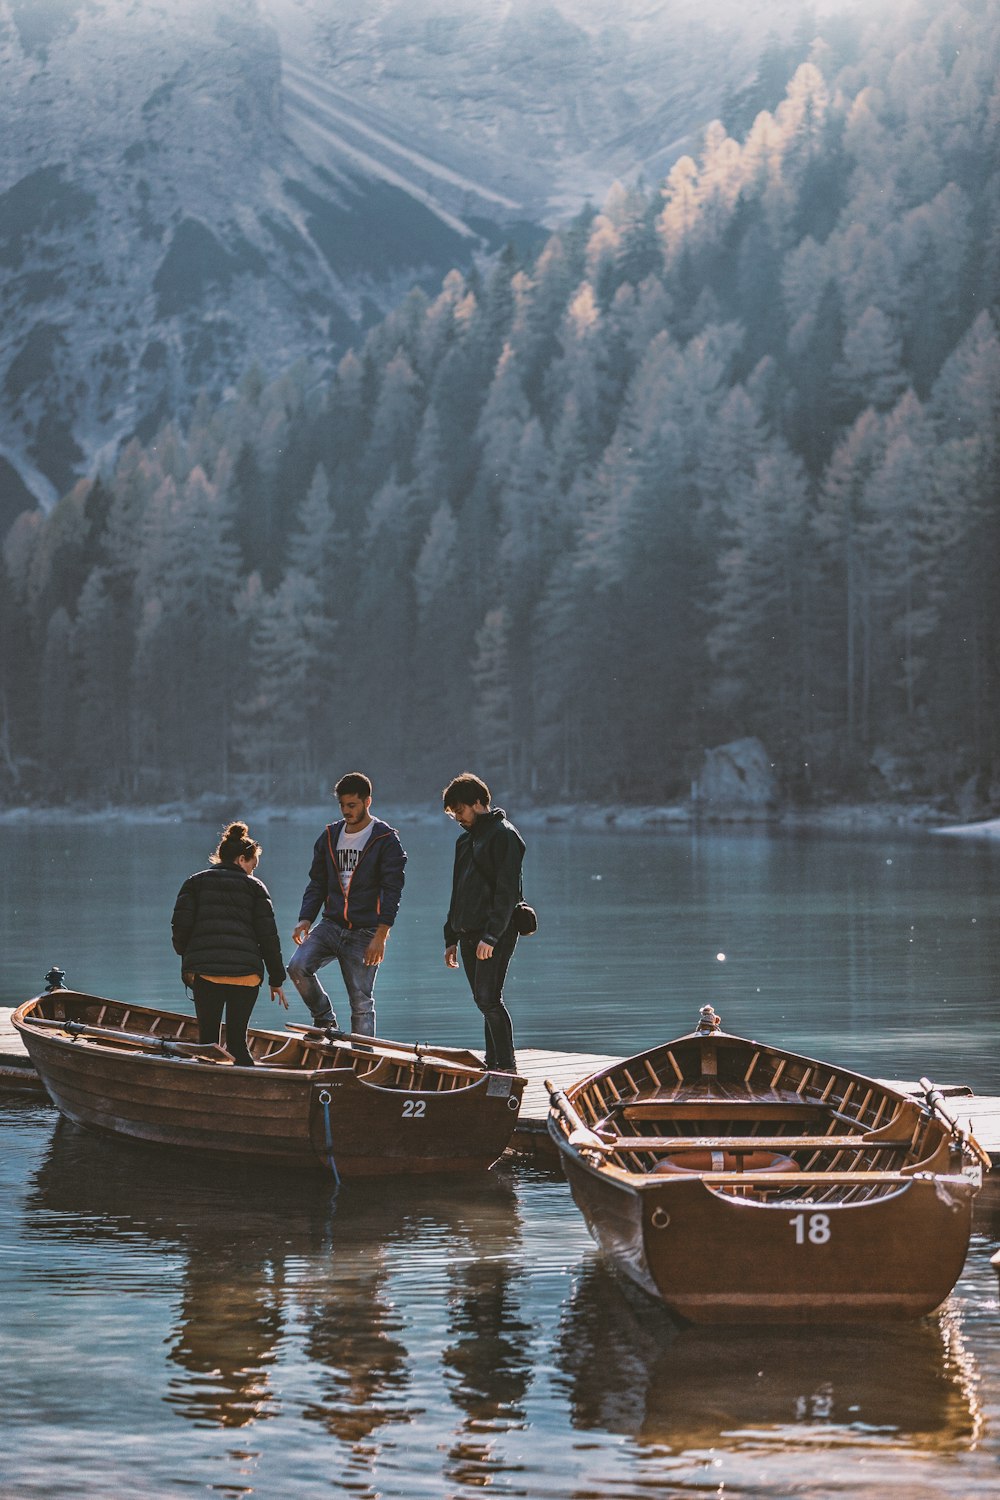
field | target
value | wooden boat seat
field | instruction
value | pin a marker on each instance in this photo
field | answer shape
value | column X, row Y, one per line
column 783, row 1143
column 686, row 1108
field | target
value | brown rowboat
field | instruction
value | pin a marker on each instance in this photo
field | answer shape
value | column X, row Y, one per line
column 742, row 1183
column 356, row 1106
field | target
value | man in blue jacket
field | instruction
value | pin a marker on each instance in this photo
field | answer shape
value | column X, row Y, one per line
column 356, row 880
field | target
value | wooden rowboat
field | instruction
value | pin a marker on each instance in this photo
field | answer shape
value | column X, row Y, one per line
column 356, row 1106
column 740, row 1183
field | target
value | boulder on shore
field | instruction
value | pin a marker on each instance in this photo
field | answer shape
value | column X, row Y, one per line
column 737, row 781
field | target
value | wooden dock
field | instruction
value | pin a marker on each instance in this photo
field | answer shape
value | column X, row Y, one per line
column 563, row 1068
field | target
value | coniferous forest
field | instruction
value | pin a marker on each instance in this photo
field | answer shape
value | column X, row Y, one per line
column 720, row 460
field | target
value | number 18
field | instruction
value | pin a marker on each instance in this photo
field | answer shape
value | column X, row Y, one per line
column 815, row 1227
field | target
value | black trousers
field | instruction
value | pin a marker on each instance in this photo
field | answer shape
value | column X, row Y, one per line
column 486, row 977
column 236, row 1001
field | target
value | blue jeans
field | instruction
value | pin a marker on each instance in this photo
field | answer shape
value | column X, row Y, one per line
column 326, row 942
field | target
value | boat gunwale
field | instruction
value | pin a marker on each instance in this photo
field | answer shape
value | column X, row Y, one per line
column 679, row 1093
column 668, row 1092
column 308, row 1076
column 119, row 1048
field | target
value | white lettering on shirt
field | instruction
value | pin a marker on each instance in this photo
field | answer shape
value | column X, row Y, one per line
column 349, row 850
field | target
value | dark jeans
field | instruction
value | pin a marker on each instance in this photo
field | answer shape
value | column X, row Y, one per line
column 486, row 977
column 237, row 1001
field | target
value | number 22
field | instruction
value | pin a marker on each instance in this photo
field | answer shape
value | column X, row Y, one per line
column 413, row 1109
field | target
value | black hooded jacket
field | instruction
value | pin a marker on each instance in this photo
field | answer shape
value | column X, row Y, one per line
column 486, row 885
column 223, row 923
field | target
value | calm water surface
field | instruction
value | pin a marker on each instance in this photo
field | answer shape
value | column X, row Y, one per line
column 174, row 1328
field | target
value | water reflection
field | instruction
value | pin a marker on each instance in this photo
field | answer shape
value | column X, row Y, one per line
column 488, row 1358
column 231, row 1227
column 427, row 1338
column 272, row 1268
column 229, row 1325
column 630, row 1370
column 352, row 1329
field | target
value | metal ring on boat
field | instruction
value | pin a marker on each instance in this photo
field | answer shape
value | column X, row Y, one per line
column 659, row 1218
column 512, row 1103
column 324, row 1096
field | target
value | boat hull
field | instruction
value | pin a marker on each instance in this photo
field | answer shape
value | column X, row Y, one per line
column 742, row 1183
column 328, row 1118
column 715, row 1258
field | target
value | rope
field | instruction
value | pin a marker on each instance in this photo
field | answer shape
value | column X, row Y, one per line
column 324, row 1099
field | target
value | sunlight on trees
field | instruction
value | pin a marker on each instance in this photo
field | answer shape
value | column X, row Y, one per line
column 722, row 459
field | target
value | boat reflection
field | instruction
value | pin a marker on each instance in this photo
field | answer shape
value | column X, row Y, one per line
column 631, row 1370
column 488, row 1361
column 284, row 1285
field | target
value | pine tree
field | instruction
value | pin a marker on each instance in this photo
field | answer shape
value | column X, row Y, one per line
column 492, row 706
column 849, row 536
column 871, row 371
column 271, row 743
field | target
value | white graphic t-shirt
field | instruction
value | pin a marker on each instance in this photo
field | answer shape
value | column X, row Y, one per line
column 349, row 847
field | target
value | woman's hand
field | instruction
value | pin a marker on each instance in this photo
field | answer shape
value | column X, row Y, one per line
column 279, row 995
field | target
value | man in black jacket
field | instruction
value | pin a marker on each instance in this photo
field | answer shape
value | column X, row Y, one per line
column 486, row 887
column 356, row 880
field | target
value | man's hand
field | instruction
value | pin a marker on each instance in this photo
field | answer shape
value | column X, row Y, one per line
column 451, row 956
column 485, row 950
column 375, row 952
column 300, row 932
column 278, row 994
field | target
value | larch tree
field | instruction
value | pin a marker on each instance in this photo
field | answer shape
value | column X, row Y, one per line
column 849, row 536
column 871, row 371
column 492, row 708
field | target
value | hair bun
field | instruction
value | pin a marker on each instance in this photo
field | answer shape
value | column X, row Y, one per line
column 235, row 844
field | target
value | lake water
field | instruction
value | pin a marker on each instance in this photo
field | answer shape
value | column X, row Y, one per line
column 174, row 1328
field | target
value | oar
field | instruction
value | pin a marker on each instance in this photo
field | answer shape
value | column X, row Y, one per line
column 394, row 1052
column 935, row 1102
column 580, row 1134
column 146, row 1040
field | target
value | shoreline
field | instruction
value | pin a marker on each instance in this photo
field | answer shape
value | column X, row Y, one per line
column 590, row 817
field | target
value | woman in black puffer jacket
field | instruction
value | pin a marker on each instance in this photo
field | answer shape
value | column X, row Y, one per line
column 223, row 927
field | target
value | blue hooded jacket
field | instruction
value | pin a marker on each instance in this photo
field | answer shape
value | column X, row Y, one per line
column 376, row 886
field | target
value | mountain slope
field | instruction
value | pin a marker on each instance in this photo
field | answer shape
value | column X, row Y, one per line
column 189, row 188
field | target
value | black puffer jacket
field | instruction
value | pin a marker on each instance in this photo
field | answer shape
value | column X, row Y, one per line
column 223, row 924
